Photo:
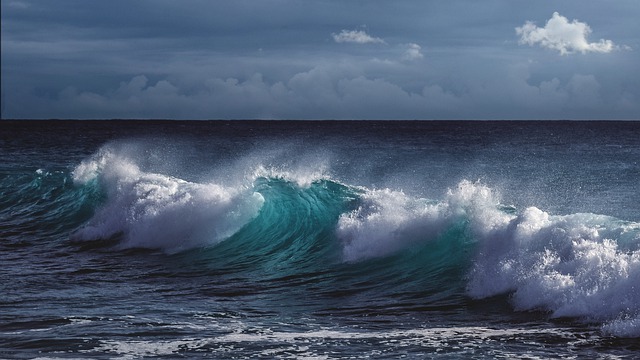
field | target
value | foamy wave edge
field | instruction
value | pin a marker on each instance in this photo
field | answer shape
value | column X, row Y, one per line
column 152, row 210
column 584, row 266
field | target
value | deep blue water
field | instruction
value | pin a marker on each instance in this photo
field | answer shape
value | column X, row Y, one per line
column 249, row 239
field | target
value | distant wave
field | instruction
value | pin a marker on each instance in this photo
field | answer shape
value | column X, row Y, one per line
column 584, row 266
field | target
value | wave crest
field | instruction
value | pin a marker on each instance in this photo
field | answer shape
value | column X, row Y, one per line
column 388, row 221
column 158, row 211
column 579, row 265
column 583, row 266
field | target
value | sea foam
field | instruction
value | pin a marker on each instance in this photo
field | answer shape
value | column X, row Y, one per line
column 152, row 210
column 581, row 265
column 388, row 221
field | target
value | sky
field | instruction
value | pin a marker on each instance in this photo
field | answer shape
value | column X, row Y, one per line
column 321, row 59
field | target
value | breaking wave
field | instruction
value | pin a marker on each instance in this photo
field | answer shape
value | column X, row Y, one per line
column 583, row 265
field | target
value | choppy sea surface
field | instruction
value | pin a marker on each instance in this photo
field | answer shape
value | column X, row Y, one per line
column 319, row 240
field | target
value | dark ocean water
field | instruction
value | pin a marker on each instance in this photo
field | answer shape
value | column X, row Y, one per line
column 322, row 240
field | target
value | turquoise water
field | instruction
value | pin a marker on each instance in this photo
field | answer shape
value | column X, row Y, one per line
column 319, row 239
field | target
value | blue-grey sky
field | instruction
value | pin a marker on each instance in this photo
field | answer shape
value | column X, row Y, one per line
column 324, row 59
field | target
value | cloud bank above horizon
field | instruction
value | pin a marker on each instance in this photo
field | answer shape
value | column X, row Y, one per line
column 326, row 60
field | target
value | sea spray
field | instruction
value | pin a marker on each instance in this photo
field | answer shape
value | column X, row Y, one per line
column 582, row 266
column 571, row 266
column 367, row 240
column 387, row 221
column 158, row 211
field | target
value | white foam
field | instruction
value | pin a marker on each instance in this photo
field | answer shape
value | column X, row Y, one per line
column 571, row 266
column 388, row 221
column 323, row 343
column 385, row 222
column 580, row 265
column 303, row 177
column 329, row 344
column 447, row 333
column 145, row 348
column 627, row 327
column 159, row 211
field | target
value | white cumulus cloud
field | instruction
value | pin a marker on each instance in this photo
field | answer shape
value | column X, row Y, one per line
column 562, row 35
column 356, row 36
column 413, row 52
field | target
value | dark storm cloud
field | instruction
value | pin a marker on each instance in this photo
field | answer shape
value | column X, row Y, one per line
column 320, row 59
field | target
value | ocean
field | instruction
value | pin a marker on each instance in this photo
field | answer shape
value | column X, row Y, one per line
column 319, row 239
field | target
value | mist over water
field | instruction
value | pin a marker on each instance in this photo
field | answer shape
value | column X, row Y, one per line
column 208, row 236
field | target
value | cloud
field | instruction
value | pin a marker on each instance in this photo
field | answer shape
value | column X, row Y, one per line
column 342, row 91
column 562, row 35
column 356, row 36
column 19, row 5
column 413, row 52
